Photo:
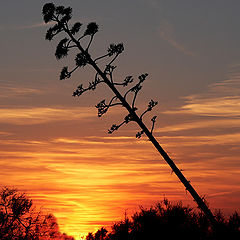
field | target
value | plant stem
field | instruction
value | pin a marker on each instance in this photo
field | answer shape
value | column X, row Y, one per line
column 201, row 204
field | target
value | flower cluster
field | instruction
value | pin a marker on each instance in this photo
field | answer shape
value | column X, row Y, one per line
column 154, row 118
column 115, row 49
column 62, row 49
column 102, row 108
column 92, row 28
column 64, row 73
column 142, row 77
column 151, row 105
column 48, row 12
column 127, row 80
column 76, row 27
column 139, row 134
column 52, row 31
column 128, row 118
column 81, row 59
column 109, row 69
column 51, row 12
column 79, row 91
column 113, row 128
column 92, row 86
column 136, row 88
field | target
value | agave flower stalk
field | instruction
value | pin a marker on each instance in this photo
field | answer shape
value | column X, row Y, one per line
column 61, row 17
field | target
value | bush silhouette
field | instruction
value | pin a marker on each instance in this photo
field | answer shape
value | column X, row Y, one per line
column 172, row 221
column 19, row 220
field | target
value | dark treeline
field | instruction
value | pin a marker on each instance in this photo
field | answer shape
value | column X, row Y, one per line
column 19, row 220
column 170, row 221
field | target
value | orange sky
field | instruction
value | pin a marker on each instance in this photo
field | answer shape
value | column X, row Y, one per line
column 88, row 178
column 56, row 149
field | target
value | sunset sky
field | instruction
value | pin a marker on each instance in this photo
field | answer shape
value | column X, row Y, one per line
column 55, row 148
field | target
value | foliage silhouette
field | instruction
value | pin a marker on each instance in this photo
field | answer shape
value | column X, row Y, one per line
column 168, row 221
column 20, row 220
column 60, row 16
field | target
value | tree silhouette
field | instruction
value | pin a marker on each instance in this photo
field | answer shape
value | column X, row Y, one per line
column 20, row 220
column 60, row 17
column 90, row 236
column 173, row 221
column 100, row 234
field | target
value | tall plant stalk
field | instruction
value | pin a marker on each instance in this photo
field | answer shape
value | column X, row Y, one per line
column 61, row 16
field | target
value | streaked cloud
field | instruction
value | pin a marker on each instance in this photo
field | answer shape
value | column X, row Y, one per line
column 36, row 115
column 96, row 141
column 35, row 25
column 220, row 99
column 9, row 91
column 81, row 179
column 166, row 32
column 221, row 106
column 5, row 133
column 87, row 181
column 223, row 123
column 220, row 139
column 96, row 178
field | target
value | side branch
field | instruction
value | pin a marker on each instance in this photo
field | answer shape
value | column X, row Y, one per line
column 103, row 107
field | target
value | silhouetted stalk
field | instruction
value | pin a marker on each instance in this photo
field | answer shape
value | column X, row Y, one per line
column 132, row 113
column 202, row 205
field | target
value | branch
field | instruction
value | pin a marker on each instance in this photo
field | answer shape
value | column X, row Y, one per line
column 109, row 71
column 73, row 46
column 134, row 99
column 113, row 59
column 115, row 127
column 81, row 37
column 66, row 74
column 151, row 105
column 126, row 81
column 92, row 86
column 98, row 58
column 89, row 43
column 138, row 86
column 153, row 123
column 103, row 107
column 139, row 134
column 80, row 90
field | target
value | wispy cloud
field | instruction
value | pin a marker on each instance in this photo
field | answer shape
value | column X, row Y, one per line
column 96, row 141
column 220, row 99
column 28, row 116
column 105, row 176
column 5, row 133
column 166, row 32
column 212, row 132
column 216, row 123
column 9, row 91
column 220, row 139
column 222, row 106
column 35, row 25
